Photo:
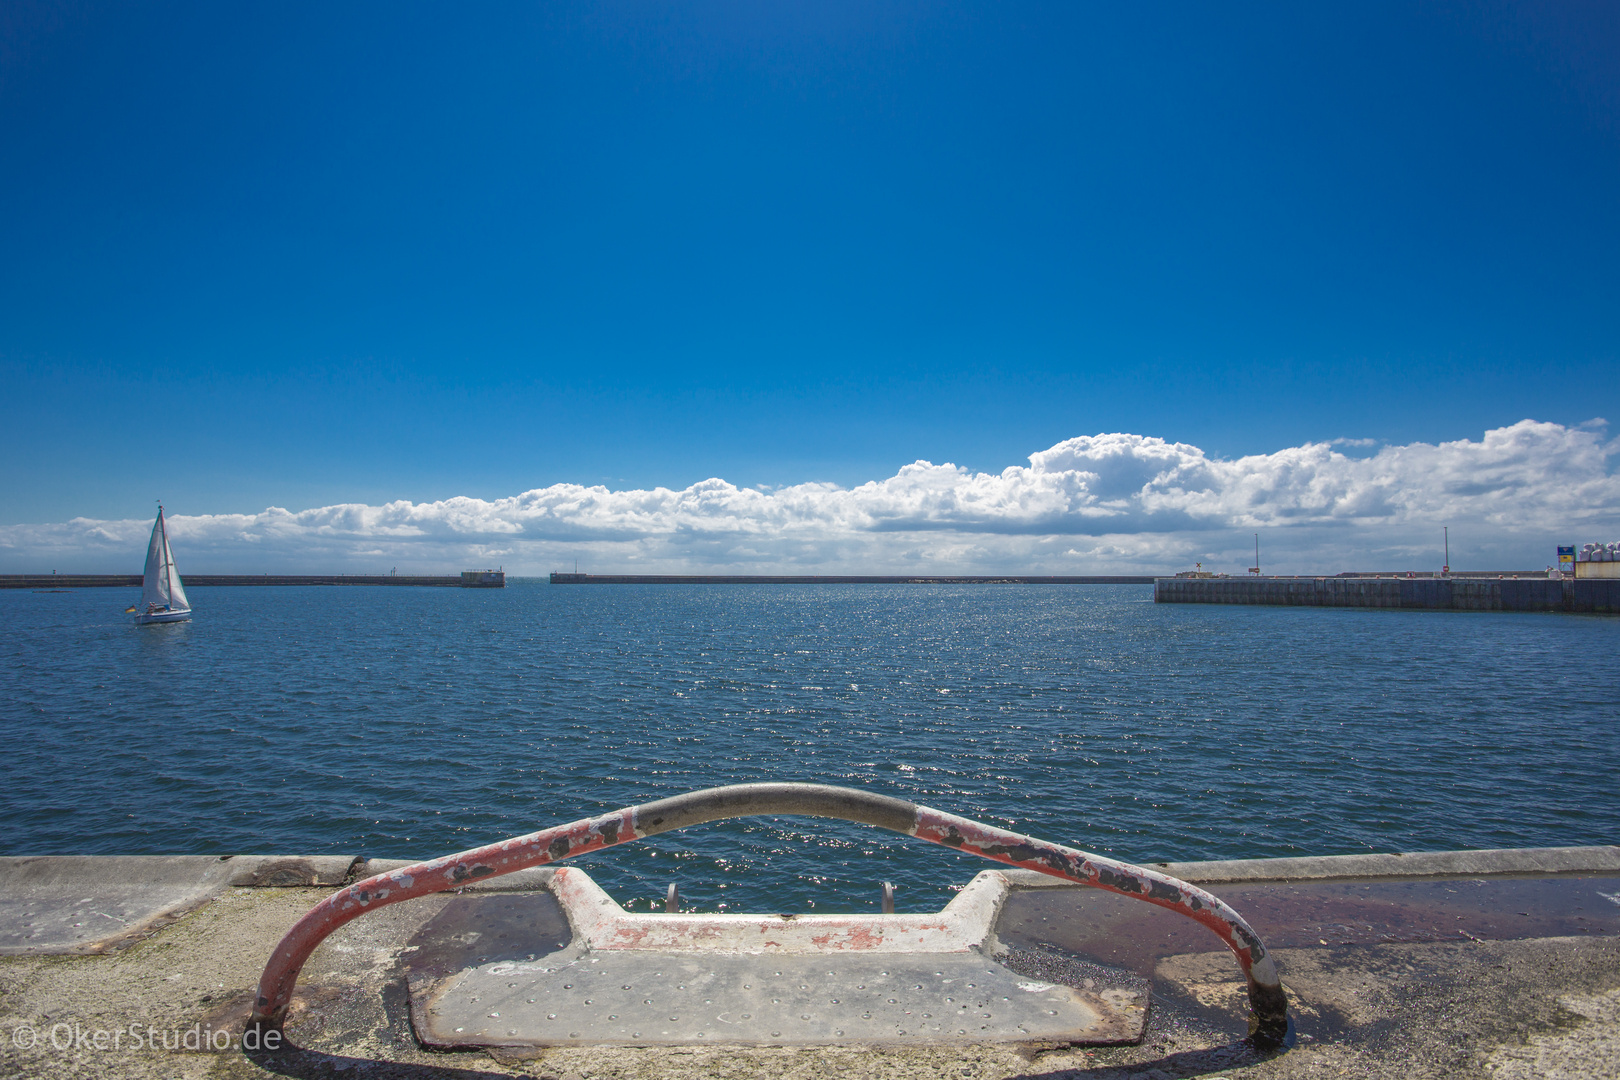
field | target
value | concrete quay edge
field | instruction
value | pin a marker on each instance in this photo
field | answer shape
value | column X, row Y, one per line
column 64, row 904
column 1494, row 862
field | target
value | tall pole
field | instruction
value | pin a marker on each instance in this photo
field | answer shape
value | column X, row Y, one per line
column 1257, row 553
column 1447, row 568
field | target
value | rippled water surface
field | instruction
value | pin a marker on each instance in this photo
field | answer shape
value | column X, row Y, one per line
column 414, row 722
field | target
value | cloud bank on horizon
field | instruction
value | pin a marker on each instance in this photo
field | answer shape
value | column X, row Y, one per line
column 1108, row 503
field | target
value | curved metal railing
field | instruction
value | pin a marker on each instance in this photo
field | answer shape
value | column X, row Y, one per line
column 1268, row 1022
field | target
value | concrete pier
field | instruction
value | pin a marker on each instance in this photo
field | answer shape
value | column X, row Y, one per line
column 560, row 578
column 1440, row 964
column 192, row 581
column 1461, row 593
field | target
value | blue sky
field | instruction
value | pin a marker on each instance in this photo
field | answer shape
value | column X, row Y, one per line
column 301, row 255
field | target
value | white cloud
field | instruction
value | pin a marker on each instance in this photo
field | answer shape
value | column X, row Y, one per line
column 1097, row 503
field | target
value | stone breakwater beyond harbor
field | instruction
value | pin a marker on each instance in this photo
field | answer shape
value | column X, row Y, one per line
column 475, row 579
column 1471, row 593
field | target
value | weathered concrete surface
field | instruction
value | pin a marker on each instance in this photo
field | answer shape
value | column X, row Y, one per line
column 94, row 902
column 1364, row 1006
column 1402, row 1010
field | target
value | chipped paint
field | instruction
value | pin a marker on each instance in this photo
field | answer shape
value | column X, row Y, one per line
column 1269, row 1023
column 600, row 923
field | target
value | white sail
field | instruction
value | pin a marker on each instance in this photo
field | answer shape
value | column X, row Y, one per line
column 177, row 592
column 155, row 583
column 160, row 585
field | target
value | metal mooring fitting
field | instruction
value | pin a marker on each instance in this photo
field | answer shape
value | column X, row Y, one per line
column 672, row 899
column 1268, row 1022
column 888, row 898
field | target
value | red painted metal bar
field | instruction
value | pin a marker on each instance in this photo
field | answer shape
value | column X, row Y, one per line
column 1268, row 1023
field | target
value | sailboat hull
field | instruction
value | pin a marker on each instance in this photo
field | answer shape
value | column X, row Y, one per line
column 162, row 616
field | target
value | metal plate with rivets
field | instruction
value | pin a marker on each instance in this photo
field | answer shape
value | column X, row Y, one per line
column 573, row 997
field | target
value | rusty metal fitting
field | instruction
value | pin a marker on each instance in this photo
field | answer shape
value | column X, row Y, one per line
column 1268, row 1022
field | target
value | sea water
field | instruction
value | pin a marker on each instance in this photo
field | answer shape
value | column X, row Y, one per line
column 415, row 722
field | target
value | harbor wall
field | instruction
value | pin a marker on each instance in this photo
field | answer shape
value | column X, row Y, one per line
column 192, row 581
column 1600, row 596
column 841, row 579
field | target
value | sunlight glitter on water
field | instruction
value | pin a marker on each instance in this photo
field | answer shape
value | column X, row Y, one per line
column 415, row 722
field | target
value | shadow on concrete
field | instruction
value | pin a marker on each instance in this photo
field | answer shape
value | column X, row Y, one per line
column 1183, row 1063
column 314, row 1065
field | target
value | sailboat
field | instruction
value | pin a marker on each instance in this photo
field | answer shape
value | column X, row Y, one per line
column 163, row 599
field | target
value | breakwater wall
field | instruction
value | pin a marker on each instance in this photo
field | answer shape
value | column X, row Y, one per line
column 192, row 581
column 1432, row 594
column 838, row 579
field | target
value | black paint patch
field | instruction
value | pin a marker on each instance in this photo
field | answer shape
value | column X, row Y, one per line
column 1257, row 951
column 609, row 830
column 482, row 871
column 1158, row 890
column 1119, row 882
column 559, row 847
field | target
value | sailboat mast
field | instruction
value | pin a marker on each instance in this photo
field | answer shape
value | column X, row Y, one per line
column 168, row 559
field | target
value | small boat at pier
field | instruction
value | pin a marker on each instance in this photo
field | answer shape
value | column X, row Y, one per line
column 163, row 598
